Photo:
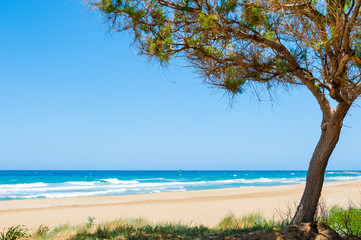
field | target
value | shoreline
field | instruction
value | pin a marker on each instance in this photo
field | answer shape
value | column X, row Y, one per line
column 206, row 207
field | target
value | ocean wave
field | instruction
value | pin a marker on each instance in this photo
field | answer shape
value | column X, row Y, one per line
column 258, row 180
column 151, row 179
column 343, row 178
column 178, row 190
column 24, row 185
column 44, row 189
column 117, row 181
column 81, row 183
column 72, row 187
column 111, row 185
column 345, row 172
column 155, row 184
column 351, row 172
column 20, row 190
column 69, row 194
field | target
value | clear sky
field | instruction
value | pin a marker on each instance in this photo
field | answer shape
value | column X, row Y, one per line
column 73, row 96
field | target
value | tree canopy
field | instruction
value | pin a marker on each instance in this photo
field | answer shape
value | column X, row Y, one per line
column 236, row 43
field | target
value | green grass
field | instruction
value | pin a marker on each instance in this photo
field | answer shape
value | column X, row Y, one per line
column 251, row 222
column 14, row 233
column 140, row 229
column 344, row 221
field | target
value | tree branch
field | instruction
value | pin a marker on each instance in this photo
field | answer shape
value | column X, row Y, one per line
column 176, row 6
column 320, row 96
column 346, row 37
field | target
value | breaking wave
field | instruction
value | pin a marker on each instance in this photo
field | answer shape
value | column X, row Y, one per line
column 137, row 185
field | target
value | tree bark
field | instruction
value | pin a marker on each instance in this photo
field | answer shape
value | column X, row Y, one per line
column 331, row 129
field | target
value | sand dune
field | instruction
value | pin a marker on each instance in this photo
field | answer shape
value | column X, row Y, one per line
column 205, row 207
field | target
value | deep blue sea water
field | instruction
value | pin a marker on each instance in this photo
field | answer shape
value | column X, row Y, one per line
column 56, row 184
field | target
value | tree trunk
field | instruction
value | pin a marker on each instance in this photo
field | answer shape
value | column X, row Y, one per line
column 331, row 130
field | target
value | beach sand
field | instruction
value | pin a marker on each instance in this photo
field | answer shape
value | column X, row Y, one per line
column 206, row 207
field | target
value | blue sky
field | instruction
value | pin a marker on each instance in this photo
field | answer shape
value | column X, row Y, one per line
column 74, row 96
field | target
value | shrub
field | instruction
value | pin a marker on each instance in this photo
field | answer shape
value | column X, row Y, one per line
column 345, row 221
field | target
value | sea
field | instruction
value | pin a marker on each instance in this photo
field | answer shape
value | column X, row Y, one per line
column 15, row 185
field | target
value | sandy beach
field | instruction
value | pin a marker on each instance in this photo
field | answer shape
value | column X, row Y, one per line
column 205, row 207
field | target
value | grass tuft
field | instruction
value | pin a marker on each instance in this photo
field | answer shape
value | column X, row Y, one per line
column 251, row 222
column 14, row 232
column 43, row 230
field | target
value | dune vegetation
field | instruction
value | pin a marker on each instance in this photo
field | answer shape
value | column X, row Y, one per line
column 333, row 223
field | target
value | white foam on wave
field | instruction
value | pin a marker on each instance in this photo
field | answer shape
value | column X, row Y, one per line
column 343, row 178
column 222, row 181
column 258, row 180
column 151, row 179
column 242, row 180
column 281, row 180
column 80, row 183
column 178, row 190
column 155, row 184
column 69, row 189
column 292, row 180
column 22, row 191
column 117, row 181
column 69, row 194
column 24, row 185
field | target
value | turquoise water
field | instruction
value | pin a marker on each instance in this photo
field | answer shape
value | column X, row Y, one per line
column 56, row 184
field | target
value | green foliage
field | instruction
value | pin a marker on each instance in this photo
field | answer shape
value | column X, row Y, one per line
column 282, row 66
column 232, row 82
column 13, row 233
column 91, row 221
column 207, row 21
column 233, row 85
column 103, row 232
column 58, row 231
column 61, row 228
column 269, row 35
column 253, row 16
column 345, row 221
column 107, row 6
column 226, row 6
column 42, row 230
column 158, row 47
